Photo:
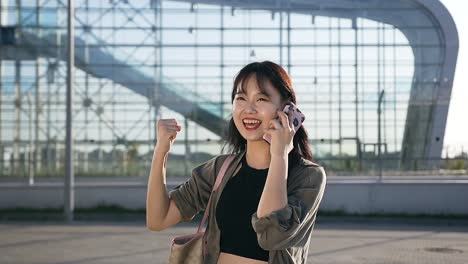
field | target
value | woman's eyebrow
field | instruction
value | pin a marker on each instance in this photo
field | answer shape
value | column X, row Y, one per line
column 260, row 93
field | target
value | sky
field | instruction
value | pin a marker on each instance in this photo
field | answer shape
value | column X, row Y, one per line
column 456, row 133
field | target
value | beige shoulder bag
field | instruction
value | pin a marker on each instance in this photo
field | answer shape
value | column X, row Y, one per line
column 189, row 249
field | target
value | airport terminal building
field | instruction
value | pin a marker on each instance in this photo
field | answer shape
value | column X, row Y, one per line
column 373, row 78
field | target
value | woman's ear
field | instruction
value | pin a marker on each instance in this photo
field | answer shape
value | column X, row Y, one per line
column 284, row 105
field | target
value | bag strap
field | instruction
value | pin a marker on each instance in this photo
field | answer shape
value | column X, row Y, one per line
column 220, row 176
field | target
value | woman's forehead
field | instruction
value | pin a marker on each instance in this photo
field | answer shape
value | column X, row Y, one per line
column 251, row 85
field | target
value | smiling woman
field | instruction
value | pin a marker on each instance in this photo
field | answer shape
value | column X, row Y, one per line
column 253, row 108
column 265, row 206
column 260, row 90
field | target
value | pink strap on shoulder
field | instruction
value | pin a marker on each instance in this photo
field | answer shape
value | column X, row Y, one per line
column 220, row 176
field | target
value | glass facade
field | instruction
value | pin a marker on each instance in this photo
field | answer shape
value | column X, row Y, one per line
column 139, row 61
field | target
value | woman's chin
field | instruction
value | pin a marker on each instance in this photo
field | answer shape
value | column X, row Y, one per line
column 255, row 138
column 252, row 135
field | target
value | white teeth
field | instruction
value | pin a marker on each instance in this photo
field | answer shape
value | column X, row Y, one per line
column 251, row 121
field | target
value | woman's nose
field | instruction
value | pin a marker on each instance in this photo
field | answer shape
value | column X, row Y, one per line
column 250, row 108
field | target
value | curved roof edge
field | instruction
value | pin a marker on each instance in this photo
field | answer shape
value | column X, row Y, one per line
column 451, row 41
column 422, row 139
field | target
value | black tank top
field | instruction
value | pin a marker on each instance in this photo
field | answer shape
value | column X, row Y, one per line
column 238, row 202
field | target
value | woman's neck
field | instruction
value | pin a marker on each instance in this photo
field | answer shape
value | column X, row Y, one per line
column 258, row 154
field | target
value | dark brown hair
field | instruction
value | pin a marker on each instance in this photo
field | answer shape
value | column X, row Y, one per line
column 267, row 71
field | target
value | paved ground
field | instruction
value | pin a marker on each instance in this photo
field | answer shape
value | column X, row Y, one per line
column 337, row 241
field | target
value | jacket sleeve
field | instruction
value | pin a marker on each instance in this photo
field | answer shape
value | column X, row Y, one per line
column 192, row 196
column 290, row 225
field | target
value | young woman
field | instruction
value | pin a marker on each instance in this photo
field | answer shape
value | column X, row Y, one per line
column 265, row 208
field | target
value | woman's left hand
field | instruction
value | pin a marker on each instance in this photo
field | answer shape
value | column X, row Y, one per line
column 281, row 135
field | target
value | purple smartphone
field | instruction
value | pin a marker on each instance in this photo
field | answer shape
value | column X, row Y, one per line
column 298, row 118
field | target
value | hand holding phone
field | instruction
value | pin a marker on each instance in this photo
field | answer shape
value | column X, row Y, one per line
column 297, row 116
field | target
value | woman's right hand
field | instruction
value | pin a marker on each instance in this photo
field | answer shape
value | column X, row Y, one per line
column 167, row 133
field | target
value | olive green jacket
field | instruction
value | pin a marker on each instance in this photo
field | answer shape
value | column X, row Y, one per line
column 285, row 233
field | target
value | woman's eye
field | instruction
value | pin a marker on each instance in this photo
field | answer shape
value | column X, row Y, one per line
column 239, row 98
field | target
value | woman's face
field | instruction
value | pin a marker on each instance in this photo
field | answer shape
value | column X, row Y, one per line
column 255, row 107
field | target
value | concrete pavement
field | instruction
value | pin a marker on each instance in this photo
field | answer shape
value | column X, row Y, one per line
column 334, row 240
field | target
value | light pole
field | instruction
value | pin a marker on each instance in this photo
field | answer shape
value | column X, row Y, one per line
column 379, row 143
column 31, row 150
column 69, row 174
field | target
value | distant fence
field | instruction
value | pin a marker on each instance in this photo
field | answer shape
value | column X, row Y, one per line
column 180, row 166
